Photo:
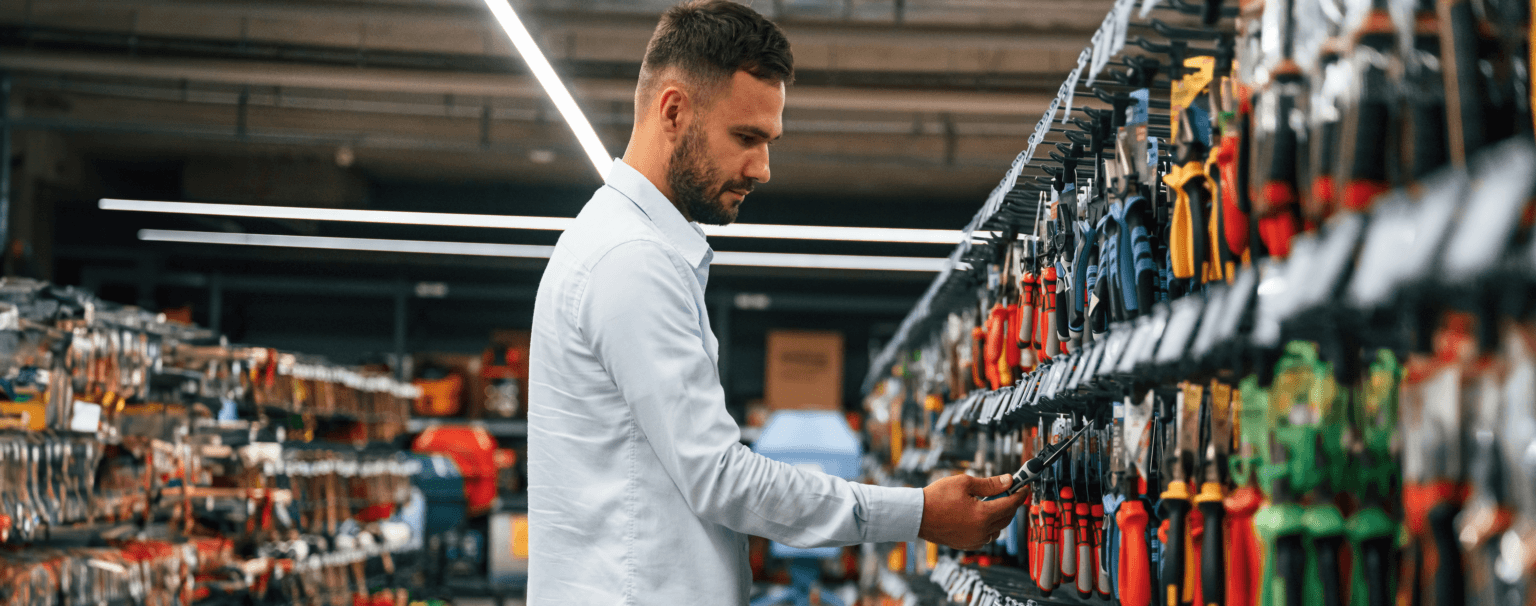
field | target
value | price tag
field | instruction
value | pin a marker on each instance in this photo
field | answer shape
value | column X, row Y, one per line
column 1271, row 289
column 1298, row 270
column 1333, row 257
column 1095, row 358
column 1210, row 321
column 1144, row 345
column 1115, row 346
column 1181, row 327
column 1079, row 365
column 1378, row 273
column 1503, row 188
column 1127, row 361
column 1438, row 208
column 1239, row 299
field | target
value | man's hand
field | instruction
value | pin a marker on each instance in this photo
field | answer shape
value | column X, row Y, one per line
column 954, row 515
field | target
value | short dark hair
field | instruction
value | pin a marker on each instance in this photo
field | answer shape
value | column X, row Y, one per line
column 710, row 40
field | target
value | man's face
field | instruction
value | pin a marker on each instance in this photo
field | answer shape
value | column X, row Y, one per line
column 723, row 153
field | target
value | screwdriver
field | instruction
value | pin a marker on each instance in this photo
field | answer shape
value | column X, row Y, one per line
column 1244, row 562
column 1362, row 172
column 1135, row 560
column 1432, row 451
column 1096, row 511
column 1047, row 345
column 1213, row 574
column 1087, row 575
column 1025, row 325
column 1135, row 564
column 1176, row 497
column 1424, row 90
column 1110, row 558
column 996, row 332
column 1370, row 530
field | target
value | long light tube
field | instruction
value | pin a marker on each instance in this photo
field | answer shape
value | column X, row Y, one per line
column 523, row 42
column 751, row 259
column 739, row 230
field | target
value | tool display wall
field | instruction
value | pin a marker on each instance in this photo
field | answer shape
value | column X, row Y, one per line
column 149, row 462
column 1269, row 295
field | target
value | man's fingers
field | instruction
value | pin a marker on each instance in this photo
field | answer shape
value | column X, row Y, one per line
column 1004, row 506
column 986, row 487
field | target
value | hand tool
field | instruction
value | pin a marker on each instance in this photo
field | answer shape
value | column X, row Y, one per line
column 1370, row 530
column 1087, row 574
column 1035, row 468
column 1275, row 140
column 1425, row 141
column 1096, row 511
column 1280, row 524
column 1188, row 244
column 1175, row 500
column 1025, row 325
column 992, row 354
column 1479, row 106
column 1367, row 112
column 1068, row 518
column 1050, row 548
column 1213, row 574
column 978, row 357
column 1110, row 559
column 1433, row 492
column 1487, row 515
column 1135, row 565
column 1047, row 341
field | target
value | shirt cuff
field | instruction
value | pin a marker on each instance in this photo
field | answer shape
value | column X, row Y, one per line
column 896, row 514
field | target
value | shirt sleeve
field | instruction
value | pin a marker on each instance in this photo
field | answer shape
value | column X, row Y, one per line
column 638, row 315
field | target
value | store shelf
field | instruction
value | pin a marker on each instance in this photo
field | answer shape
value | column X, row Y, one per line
column 501, row 428
column 1010, row 583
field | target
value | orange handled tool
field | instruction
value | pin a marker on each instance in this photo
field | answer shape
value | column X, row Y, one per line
column 1099, row 545
column 1068, row 535
column 1012, row 358
column 1087, row 574
column 1036, row 531
column 1025, row 327
column 978, row 340
column 992, row 351
column 1245, row 569
column 1047, row 343
column 1050, row 554
column 1135, row 560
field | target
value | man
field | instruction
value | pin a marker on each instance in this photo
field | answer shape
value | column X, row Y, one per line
column 640, row 491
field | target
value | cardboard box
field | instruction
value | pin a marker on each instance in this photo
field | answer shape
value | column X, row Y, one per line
column 805, row 370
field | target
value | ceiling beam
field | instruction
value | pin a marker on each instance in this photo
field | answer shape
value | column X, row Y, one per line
column 287, row 75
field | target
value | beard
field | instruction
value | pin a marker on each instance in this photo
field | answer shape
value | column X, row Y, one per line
column 696, row 185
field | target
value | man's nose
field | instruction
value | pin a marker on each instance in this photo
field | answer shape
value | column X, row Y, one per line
column 757, row 167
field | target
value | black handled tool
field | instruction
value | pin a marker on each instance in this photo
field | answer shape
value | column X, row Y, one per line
column 1033, row 468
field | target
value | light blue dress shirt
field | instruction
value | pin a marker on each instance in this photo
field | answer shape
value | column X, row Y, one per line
column 639, row 489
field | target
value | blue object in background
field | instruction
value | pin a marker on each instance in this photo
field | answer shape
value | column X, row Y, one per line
column 443, row 486
column 811, row 439
column 818, row 440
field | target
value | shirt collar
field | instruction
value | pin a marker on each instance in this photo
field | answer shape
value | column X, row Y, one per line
column 687, row 237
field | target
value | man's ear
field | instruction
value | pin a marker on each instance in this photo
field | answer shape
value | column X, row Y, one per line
column 675, row 109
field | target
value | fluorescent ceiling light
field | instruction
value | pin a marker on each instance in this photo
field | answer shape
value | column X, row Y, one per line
column 367, row 244
column 757, row 259
column 552, row 85
column 739, row 230
column 750, row 259
column 818, row 232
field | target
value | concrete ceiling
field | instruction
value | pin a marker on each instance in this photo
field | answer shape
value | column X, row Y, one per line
column 905, row 97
